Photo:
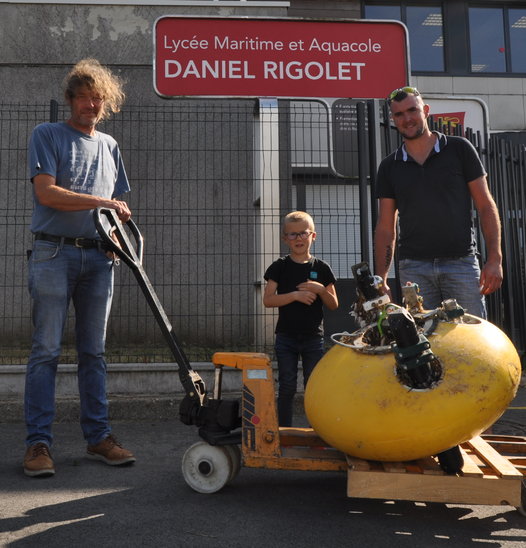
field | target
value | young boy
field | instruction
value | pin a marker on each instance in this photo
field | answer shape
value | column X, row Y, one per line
column 299, row 284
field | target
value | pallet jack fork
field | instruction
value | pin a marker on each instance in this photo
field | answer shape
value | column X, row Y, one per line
column 247, row 433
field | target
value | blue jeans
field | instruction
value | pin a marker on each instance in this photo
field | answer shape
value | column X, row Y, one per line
column 440, row 279
column 288, row 350
column 59, row 274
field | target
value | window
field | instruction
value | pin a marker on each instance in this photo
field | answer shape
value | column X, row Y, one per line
column 426, row 39
column 460, row 37
column 383, row 12
column 486, row 38
column 497, row 39
column 517, row 32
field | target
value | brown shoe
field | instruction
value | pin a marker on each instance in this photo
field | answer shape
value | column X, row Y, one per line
column 38, row 461
column 110, row 451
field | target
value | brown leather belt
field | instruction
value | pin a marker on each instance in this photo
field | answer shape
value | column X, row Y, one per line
column 77, row 242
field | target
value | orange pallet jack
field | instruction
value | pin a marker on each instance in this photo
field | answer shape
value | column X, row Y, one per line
column 247, row 433
column 492, row 473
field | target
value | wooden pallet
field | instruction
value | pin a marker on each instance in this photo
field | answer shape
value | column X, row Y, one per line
column 492, row 475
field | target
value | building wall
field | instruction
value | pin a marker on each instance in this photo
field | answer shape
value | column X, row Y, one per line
column 39, row 42
column 504, row 97
column 335, row 9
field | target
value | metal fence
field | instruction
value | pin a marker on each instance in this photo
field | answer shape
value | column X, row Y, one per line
column 210, row 183
column 507, row 168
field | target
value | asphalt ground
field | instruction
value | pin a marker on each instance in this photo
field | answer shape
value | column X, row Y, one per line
column 88, row 503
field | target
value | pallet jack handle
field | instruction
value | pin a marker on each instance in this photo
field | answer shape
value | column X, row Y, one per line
column 116, row 239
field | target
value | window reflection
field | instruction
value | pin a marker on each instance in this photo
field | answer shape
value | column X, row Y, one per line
column 383, row 12
column 486, row 37
column 426, row 38
column 425, row 33
column 517, row 30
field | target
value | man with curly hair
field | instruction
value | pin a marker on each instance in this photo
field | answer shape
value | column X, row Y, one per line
column 74, row 169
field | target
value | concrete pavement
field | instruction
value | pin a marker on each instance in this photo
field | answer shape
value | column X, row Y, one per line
column 149, row 504
column 90, row 504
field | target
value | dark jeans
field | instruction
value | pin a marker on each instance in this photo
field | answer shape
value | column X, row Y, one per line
column 289, row 349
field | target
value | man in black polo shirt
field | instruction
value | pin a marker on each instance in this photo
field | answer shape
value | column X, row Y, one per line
column 428, row 184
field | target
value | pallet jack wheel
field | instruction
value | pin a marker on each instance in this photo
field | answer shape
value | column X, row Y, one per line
column 235, row 455
column 451, row 460
column 207, row 468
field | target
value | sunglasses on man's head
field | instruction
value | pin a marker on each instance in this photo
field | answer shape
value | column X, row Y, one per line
column 395, row 93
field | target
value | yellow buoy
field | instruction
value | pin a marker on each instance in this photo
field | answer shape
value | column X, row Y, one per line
column 355, row 401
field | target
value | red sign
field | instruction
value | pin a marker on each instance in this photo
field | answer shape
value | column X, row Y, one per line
column 453, row 118
column 224, row 57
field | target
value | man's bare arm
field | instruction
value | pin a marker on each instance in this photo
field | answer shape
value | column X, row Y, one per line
column 48, row 193
column 492, row 274
column 384, row 237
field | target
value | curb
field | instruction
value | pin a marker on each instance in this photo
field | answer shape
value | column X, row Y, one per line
column 122, row 407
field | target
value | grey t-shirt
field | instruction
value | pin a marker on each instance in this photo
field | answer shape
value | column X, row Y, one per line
column 80, row 163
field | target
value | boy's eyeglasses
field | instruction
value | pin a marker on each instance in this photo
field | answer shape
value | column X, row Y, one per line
column 398, row 91
column 293, row 235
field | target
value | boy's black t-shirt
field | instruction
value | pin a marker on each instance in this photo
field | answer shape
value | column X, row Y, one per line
column 298, row 318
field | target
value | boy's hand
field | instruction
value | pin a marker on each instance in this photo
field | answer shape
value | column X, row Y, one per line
column 306, row 297
column 311, row 285
column 308, row 291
